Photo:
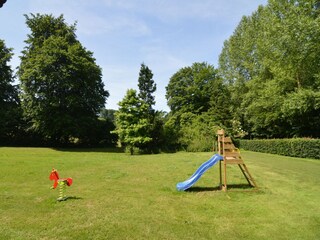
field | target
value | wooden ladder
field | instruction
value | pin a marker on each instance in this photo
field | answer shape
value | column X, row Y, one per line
column 231, row 155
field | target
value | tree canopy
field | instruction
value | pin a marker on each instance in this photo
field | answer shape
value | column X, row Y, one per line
column 132, row 127
column 189, row 88
column 62, row 88
column 146, row 86
column 9, row 101
column 138, row 125
column 197, row 98
column 267, row 85
column 272, row 63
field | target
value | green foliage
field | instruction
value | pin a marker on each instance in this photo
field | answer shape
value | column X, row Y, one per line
column 171, row 133
column 295, row 147
column 108, row 114
column 189, row 89
column 154, row 118
column 157, row 133
column 131, row 126
column 62, row 89
column 10, row 112
column 146, row 86
column 198, row 132
column 199, row 102
column 302, row 111
column 140, row 128
column 272, row 62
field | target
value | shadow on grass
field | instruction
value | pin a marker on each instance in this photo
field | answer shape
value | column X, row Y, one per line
column 74, row 198
column 241, row 187
column 67, row 198
column 231, row 187
column 102, row 150
column 203, row 189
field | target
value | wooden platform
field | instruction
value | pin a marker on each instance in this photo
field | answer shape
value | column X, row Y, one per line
column 231, row 155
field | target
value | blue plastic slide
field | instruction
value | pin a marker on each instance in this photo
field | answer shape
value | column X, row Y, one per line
column 181, row 186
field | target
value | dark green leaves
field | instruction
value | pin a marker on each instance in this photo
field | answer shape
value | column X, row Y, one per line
column 62, row 89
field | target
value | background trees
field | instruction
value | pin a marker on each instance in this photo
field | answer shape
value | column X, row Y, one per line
column 267, row 85
column 62, row 89
column 188, row 89
column 9, row 102
column 138, row 125
column 132, row 127
column 199, row 101
column 271, row 63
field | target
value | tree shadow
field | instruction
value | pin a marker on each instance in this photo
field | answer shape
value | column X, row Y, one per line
column 98, row 150
column 107, row 150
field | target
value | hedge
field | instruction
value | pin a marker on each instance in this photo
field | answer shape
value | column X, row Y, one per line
column 295, row 147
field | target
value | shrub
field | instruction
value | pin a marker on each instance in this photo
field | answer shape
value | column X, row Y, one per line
column 295, row 147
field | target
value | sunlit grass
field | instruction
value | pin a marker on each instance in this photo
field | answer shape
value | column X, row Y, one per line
column 118, row 196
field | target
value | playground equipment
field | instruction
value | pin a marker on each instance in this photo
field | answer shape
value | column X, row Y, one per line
column 228, row 154
column 231, row 155
column 201, row 170
column 61, row 182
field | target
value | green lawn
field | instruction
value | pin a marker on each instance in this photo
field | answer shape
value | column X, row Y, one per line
column 118, row 196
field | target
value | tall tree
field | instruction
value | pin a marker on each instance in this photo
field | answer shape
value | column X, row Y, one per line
column 190, row 89
column 146, row 86
column 62, row 88
column 132, row 127
column 272, row 56
column 195, row 95
column 9, row 101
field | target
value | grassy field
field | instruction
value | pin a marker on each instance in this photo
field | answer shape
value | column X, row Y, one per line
column 118, row 196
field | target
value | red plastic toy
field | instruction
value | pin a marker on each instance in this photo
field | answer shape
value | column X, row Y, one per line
column 62, row 182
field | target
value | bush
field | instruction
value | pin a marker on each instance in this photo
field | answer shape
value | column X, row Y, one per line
column 197, row 132
column 295, row 147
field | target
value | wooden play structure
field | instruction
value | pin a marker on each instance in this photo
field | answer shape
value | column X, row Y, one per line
column 231, row 155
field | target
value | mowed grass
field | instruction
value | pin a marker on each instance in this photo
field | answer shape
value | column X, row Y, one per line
column 118, row 196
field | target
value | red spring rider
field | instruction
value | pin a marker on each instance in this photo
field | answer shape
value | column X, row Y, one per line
column 62, row 182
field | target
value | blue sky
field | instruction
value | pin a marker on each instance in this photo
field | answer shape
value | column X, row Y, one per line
column 164, row 34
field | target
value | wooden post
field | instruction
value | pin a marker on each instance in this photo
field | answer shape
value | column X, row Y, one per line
column 221, row 150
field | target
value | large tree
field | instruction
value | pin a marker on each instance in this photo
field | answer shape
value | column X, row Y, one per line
column 189, row 89
column 132, row 127
column 9, row 102
column 62, row 88
column 272, row 57
column 138, row 125
column 198, row 89
column 196, row 94
column 147, row 87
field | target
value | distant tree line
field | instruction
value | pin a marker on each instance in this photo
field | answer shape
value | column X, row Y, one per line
column 267, row 85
